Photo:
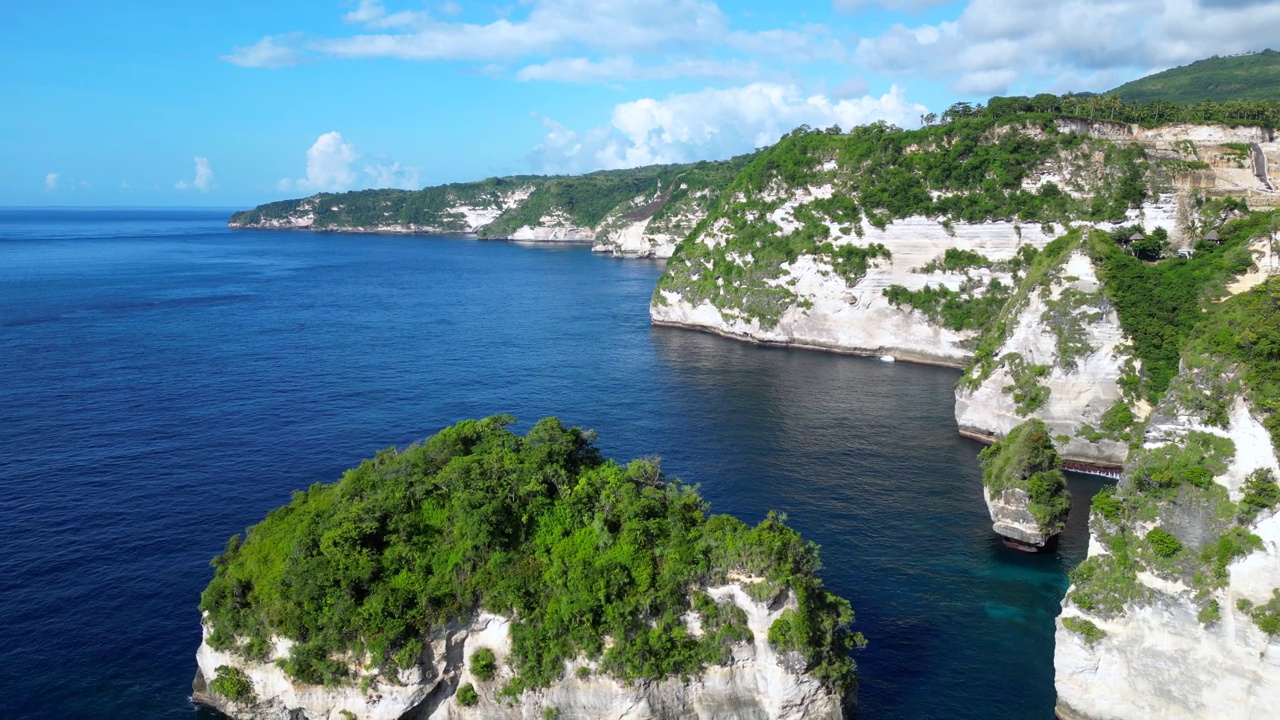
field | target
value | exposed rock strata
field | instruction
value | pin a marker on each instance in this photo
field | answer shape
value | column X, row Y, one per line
column 758, row 683
column 1069, row 328
column 860, row 320
column 1162, row 656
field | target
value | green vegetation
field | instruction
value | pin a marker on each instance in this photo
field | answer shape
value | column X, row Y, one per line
column 467, row 695
column 232, row 684
column 1267, row 615
column 484, row 664
column 1161, row 304
column 1042, row 268
column 1210, row 613
column 586, row 200
column 1261, row 492
column 1091, row 633
column 972, row 307
column 589, row 199
column 539, row 528
column 1027, row 460
column 1028, row 394
column 971, row 169
column 1245, row 330
column 1232, row 81
column 1164, row 543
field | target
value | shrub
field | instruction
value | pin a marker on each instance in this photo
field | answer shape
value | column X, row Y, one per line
column 1211, row 613
column 467, row 696
column 484, row 665
column 1261, row 492
column 232, row 684
column 1164, row 543
column 1092, row 633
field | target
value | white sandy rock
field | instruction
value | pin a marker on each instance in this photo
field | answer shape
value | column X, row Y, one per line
column 758, row 683
column 1078, row 395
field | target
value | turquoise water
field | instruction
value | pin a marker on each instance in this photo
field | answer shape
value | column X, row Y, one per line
column 167, row 382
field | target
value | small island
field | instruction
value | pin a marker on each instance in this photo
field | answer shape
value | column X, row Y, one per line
column 488, row 574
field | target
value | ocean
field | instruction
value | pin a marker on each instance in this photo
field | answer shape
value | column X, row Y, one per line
column 167, row 382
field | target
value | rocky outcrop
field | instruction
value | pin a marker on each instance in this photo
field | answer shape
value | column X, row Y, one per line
column 1166, row 616
column 1025, row 491
column 1061, row 363
column 758, row 682
column 829, row 313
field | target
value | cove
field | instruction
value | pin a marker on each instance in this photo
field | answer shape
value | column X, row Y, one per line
column 168, row 382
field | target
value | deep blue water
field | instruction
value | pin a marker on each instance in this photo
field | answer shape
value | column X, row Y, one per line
column 166, row 382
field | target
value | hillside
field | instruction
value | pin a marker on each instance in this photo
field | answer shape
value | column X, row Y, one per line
column 1240, row 78
column 641, row 211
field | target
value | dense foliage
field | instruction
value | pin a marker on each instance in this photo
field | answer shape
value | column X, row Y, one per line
column 1026, row 459
column 576, row 549
column 1159, row 304
column 1194, row 531
column 1216, row 79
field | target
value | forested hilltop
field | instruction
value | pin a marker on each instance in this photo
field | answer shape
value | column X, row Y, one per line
column 586, row 558
column 1239, row 78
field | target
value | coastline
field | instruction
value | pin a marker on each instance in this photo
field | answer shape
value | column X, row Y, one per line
column 905, row 356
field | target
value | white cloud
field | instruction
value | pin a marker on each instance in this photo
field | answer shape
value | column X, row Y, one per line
column 620, row 69
column 272, row 51
column 51, row 182
column 907, row 5
column 203, row 179
column 707, row 124
column 330, row 168
column 371, row 13
column 997, row 43
column 691, row 36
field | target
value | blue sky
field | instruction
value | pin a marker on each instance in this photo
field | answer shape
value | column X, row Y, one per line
column 234, row 103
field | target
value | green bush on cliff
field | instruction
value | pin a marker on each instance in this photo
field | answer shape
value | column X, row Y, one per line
column 1026, row 460
column 1261, row 492
column 232, row 684
column 539, row 528
column 484, row 664
column 1085, row 628
column 467, row 695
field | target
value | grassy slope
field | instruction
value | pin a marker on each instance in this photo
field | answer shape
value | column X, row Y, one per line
column 1221, row 79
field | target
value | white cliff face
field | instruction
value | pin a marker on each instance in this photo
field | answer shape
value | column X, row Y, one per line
column 1010, row 517
column 757, row 683
column 554, row 226
column 637, row 231
column 1082, row 386
column 829, row 315
column 1158, row 659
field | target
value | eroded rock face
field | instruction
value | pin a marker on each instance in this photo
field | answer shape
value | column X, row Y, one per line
column 1178, row 647
column 758, row 683
column 828, row 314
column 1069, row 329
column 1011, row 519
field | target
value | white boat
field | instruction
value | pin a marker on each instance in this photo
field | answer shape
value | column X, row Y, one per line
column 886, row 358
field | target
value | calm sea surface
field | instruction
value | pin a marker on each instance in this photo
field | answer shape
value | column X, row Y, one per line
column 164, row 382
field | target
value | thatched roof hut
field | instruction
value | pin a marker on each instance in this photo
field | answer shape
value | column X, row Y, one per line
column 1213, row 236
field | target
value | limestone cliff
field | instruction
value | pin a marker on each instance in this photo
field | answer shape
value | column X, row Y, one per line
column 1062, row 361
column 1025, row 491
column 639, row 212
column 756, row 682
column 1175, row 613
